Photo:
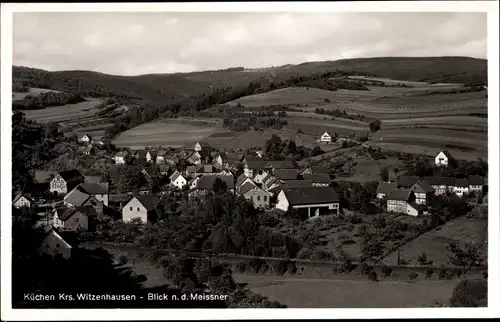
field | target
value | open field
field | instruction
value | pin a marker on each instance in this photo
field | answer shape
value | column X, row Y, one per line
column 427, row 150
column 174, row 133
column 297, row 292
column 433, row 243
column 390, row 81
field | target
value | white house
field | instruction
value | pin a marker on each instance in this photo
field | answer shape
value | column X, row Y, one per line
column 443, row 159
column 197, row 147
column 194, row 183
column 461, row 187
column 259, row 197
column 122, row 157
column 423, row 191
column 150, row 156
column 73, row 219
column 86, row 138
column 53, row 244
column 476, row 184
column 260, row 175
column 325, row 138
column 65, row 181
column 99, row 191
column 313, row 201
column 160, row 156
column 398, row 200
column 178, row 180
column 21, row 201
column 141, row 207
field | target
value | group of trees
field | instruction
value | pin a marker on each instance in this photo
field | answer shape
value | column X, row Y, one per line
column 243, row 124
column 277, row 149
column 339, row 113
column 46, row 99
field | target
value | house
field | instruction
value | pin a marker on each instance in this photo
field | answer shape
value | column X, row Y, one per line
column 270, row 182
column 178, row 180
column 22, row 200
column 78, row 198
column 318, row 179
column 476, row 184
column 441, row 185
column 423, row 191
column 259, row 176
column 86, row 138
column 315, row 170
column 251, row 167
column 313, row 201
column 160, row 156
column 241, row 180
column 164, row 169
column 197, row 147
column 443, row 159
column 53, row 244
column 122, row 157
column 206, row 183
column 141, row 207
column 397, row 200
column 151, row 156
column 88, row 149
column 93, row 178
column 325, row 138
column 65, row 181
column 193, row 183
column 281, row 165
column 461, row 187
column 74, row 218
column 406, row 182
column 100, row 191
column 195, row 158
column 412, row 209
column 384, row 188
column 259, row 197
column 284, row 175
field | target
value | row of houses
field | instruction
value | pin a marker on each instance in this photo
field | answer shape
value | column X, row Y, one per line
column 410, row 192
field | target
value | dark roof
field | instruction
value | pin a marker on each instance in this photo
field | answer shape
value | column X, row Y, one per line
column 255, row 164
column 476, row 180
column 95, row 188
column 423, row 187
column 76, row 197
column 399, row 194
column 193, row 168
column 93, row 178
column 281, row 164
column 318, row 169
column 297, row 184
column 387, row 187
column 66, row 213
column 164, row 168
column 147, row 200
column 318, row 177
column 140, row 154
column 71, row 175
column 241, row 179
column 448, row 155
column 407, row 181
column 246, row 187
column 207, row 182
column 162, row 153
column 175, row 175
column 439, row 181
column 207, row 168
column 461, row 183
column 310, row 195
column 286, row 174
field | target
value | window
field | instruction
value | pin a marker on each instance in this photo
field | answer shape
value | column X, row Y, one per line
column 131, row 209
column 138, row 209
column 77, row 219
column 265, row 198
column 47, row 246
column 258, row 198
column 58, row 245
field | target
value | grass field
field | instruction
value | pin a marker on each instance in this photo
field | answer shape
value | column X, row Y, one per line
column 173, row 133
column 17, row 96
column 296, row 292
column 433, row 243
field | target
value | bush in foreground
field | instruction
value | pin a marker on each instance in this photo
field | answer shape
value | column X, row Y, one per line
column 470, row 293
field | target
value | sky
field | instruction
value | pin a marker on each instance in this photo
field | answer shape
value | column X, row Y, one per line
column 124, row 43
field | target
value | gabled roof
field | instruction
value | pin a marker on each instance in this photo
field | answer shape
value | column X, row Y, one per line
column 162, row 153
column 176, row 175
column 407, row 181
column 246, row 187
column 71, row 175
column 152, row 153
column 319, row 169
column 310, row 195
column 422, row 187
column 164, row 168
column 147, row 200
column 19, row 195
column 461, row 183
column 387, row 187
column 76, row 197
column 318, row 177
column 151, row 172
column 207, row 168
column 93, row 178
column 439, row 181
column 66, row 213
column 255, row 164
column 242, row 178
column 207, row 182
column 94, row 188
column 399, row 194
column 281, row 164
column 193, row 168
column 297, row 184
column 286, row 174
column 447, row 154
column 139, row 154
column 476, row 180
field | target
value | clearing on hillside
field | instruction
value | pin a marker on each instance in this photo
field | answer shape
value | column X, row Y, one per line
column 33, row 91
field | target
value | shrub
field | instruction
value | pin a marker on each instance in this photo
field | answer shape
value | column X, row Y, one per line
column 122, row 260
column 346, row 267
column 280, row 267
column 386, row 270
column 254, row 265
column 428, row 272
column 413, row 275
column 366, row 269
column 373, row 276
column 470, row 293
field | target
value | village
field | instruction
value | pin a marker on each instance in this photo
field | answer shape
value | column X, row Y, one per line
column 79, row 200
